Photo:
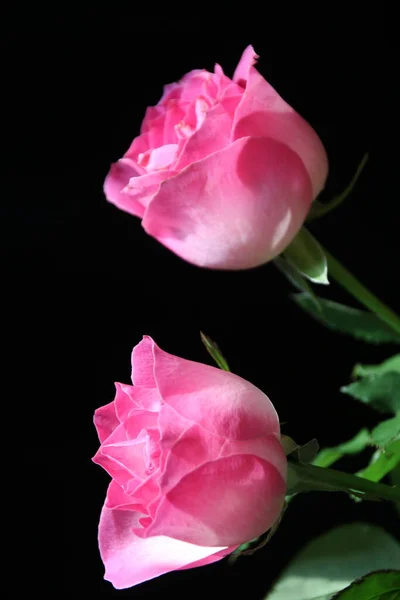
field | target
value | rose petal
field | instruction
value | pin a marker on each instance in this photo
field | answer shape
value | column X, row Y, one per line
column 172, row 426
column 152, row 113
column 173, row 117
column 142, row 189
column 196, row 447
column 247, row 60
column 194, row 84
column 263, row 112
column 147, row 399
column 209, row 559
column 117, row 179
column 143, row 363
column 123, row 460
column 171, row 91
column 224, row 502
column 213, row 135
column 223, row 403
column 139, row 421
column 130, row 560
column 105, row 421
column 117, row 498
column 161, row 158
column 123, row 402
column 140, row 145
column 235, row 209
column 145, row 492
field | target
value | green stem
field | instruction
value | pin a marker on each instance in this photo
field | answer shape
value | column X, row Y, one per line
column 310, row 477
column 360, row 292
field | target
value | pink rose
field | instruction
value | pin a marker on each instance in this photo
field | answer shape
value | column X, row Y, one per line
column 223, row 172
column 196, row 464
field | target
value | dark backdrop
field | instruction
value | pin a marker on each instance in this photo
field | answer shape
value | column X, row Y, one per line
column 85, row 282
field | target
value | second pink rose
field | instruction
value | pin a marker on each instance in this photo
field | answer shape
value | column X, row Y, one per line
column 223, row 172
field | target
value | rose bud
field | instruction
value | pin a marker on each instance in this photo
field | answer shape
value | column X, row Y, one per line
column 196, row 463
column 223, row 172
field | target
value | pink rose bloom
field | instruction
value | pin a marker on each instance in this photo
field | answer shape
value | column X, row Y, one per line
column 223, row 172
column 196, row 463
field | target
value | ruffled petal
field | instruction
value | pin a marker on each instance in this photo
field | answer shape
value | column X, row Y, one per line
column 143, row 363
column 213, row 135
column 105, row 421
column 130, row 560
column 235, row 209
column 117, row 179
column 263, row 112
column 224, row 502
column 222, row 403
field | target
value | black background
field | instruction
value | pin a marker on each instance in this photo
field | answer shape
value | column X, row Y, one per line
column 85, row 282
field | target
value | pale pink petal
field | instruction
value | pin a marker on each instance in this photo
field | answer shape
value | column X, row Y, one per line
column 196, row 447
column 269, row 448
column 231, row 90
column 171, row 91
column 210, row 89
column 143, row 363
column 209, row 559
column 172, row 426
column 262, row 112
column 152, row 114
column 227, row 502
column 117, row 498
column 105, row 421
column 156, row 133
column 139, row 421
column 213, row 135
column 117, row 179
column 161, row 158
column 195, row 84
column 140, row 145
column 152, row 449
column 130, row 560
column 123, row 401
column 144, row 492
column 147, row 399
column 235, row 209
column 173, row 117
column 196, row 113
column 248, row 59
column 128, row 454
column 122, row 457
column 230, row 104
column 220, row 402
column 139, row 191
column 226, row 87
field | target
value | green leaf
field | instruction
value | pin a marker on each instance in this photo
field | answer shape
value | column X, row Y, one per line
column 387, row 366
column 328, row 456
column 214, row 351
column 360, row 324
column 386, row 431
column 382, row 462
column 296, row 279
column 382, row 392
column 319, row 210
column 395, row 480
column 395, row 476
column 307, row 453
column 306, row 255
column 381, row 585
column 323, row 568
